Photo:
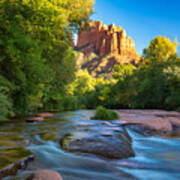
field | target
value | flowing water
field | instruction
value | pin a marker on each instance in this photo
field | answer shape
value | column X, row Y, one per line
column 155, row 158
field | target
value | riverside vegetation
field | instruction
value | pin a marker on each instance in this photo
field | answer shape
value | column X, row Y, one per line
column 153, row 84
column 36, row 56
column 38, row 65
column 39, row 72
column 105, row 114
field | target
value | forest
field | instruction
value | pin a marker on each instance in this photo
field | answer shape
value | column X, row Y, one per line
column 38, row 64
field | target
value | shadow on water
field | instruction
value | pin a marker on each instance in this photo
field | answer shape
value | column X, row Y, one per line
column 155, row 157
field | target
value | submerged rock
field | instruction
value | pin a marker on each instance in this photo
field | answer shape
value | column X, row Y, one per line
column 45, row 175
column 35, row 119
column 108, row 142
column 45, row 115
column 11, row 160
column 40, row 117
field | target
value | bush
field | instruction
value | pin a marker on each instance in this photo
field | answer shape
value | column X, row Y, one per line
column 105, row 114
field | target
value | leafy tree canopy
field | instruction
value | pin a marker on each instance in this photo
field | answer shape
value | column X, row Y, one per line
column 160, row 49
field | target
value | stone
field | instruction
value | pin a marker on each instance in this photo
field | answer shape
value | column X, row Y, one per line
column 45, row 115
column 45, row 175
column 35, row 119
column 106, row 41
column 152, row 122
column 105, row 141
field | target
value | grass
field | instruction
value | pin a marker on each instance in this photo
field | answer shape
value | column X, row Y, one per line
column 105, row 114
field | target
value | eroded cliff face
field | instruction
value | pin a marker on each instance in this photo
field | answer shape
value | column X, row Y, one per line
column 106, row 41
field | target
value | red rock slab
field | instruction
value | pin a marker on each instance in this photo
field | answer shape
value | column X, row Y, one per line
column 157, row 120
column 35, row 119
column 45, row 115
column 175, row 121
column 45, row 175
column 108, row 123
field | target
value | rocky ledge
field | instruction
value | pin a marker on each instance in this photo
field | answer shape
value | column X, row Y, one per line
column 13, row 160
column 152, row 122
column 40, row 117
column 102, row 140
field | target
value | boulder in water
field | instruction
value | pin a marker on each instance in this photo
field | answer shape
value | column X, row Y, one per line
column 35, row 119
column 105, row 141
column 45, row 175
column 45, row 115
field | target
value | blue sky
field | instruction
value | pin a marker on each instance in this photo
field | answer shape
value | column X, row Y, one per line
column 142, row 19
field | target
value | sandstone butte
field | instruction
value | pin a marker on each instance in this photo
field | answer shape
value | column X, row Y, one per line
column 109, row 43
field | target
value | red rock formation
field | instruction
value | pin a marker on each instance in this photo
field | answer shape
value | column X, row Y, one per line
column 104, row 40
column 104, row 46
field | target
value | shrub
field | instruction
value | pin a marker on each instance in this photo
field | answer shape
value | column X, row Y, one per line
column 105, row 114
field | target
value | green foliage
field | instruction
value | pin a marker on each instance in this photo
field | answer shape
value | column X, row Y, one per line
column 153, row 84
column 123, row 71
column 5, row 102
column 124, row 88
column 152, row 87
column 80, row 10
column 160, row 49
column 105, row 114
column 157, row 83
column 70, row 103
column 79, row 91
column 35, row 50
column 5, row 105
column 88, row 90
column 38, row 67
column 83, row 83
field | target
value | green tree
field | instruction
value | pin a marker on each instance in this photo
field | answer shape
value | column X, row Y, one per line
column 35, row 49
column 83, row 83
column 160, row 49
column 157, row 81
column 124, row 88
column 121, row 72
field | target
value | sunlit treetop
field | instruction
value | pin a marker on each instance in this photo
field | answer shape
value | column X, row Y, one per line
column 161, row 49
column 74, row 12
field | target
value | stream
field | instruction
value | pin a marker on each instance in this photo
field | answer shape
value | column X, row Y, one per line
column 155, row 158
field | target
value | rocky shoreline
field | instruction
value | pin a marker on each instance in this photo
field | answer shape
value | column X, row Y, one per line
column 151, row 122
column 103, row 139
column 14, row 161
